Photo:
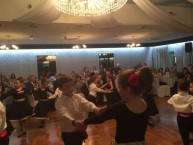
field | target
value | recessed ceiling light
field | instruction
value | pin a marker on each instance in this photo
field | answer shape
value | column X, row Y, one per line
column 31, row 37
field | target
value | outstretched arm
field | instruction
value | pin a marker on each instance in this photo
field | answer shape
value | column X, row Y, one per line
column 106, row 114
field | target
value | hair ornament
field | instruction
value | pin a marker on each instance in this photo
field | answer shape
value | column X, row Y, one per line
column 133, row 80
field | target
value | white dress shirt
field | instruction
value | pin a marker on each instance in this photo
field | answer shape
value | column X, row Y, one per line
column 56, row 94
column 3, row 123
column 93, row 89
column 182, row 102
column 72, row 108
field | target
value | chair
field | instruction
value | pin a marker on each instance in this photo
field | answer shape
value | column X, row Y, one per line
column 160, row 90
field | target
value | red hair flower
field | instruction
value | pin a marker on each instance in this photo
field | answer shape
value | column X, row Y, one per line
column 133, row 80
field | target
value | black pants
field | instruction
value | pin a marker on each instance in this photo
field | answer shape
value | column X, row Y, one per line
column 185, row 125
column 72, row 138
column 4, row 140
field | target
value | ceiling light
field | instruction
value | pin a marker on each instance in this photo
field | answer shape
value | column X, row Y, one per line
column 128, row 45
column 88, row 7
column 9, row 46
column 79, row 46
column 84, row 46
column 31, row 37
column 133, row 45
column 51, row 58
column 138, row 44
column 3, row 46
column 15, row 47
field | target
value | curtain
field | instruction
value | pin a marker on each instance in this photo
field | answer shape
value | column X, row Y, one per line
column 161, row 56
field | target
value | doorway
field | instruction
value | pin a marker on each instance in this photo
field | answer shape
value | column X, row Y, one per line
column 46, row 65
column 106, row 61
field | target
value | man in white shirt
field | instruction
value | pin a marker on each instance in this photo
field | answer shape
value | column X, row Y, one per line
column 4, row 138
column 72, row 108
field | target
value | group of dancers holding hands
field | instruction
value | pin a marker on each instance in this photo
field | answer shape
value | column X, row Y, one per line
column 21, row 109
column 131, row 113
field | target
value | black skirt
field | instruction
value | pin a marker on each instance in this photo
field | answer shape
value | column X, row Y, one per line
column 41, row 109
column 19, row 110
column 151, row 105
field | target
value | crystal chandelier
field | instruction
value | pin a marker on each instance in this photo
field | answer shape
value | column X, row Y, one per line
column 88, row 7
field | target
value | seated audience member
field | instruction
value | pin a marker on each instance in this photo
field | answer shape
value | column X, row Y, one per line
column 167, row 72
column 186, row 73
column 160, row 71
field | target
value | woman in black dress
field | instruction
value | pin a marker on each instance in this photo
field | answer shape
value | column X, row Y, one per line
column 131, row 115
column 20, row 109
column 112, row 97
column 42, row 107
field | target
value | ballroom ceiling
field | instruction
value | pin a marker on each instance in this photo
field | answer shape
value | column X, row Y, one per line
column 38, row 22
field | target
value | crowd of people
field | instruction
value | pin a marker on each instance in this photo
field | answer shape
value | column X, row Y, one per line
column 125, row 96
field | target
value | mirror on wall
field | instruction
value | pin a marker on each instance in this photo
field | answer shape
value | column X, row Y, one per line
column 106, row 61
column 46, row 65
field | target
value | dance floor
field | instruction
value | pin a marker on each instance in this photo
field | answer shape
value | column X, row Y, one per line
column 165, row 131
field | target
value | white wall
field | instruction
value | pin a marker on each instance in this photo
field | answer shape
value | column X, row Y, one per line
column 24, row 62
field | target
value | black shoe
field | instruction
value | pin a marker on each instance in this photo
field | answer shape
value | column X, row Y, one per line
column 22, row 134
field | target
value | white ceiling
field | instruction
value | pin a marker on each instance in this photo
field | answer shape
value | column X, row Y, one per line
column 19, row 22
